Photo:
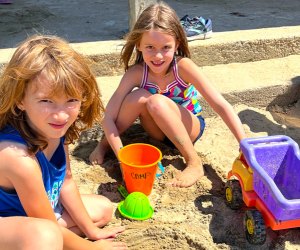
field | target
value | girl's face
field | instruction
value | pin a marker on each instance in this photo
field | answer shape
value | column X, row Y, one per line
column 51, row 116
column 158, row 49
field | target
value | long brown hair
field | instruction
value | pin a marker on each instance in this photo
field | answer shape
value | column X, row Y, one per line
column 158, row 16
column 66, row 70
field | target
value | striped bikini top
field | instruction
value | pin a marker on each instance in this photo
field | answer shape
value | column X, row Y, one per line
column 180, row 92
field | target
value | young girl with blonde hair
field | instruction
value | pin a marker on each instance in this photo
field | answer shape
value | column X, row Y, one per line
column 48, row 95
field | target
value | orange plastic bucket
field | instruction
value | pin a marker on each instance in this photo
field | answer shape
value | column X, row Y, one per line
column 139, row 165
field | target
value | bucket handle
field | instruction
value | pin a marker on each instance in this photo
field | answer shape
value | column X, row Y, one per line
column 161, row 168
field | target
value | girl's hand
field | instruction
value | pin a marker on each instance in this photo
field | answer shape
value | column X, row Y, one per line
column 105, row 233
column 110, row 244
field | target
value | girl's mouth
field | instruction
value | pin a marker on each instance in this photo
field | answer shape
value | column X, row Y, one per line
column 57, row 126
column 157, row 64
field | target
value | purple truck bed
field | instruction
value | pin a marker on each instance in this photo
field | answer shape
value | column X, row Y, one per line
column 275, row 161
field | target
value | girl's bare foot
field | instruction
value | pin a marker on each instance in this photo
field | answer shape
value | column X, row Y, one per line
column 189, row 176
column 97, row 156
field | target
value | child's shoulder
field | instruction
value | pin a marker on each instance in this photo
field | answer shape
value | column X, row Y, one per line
column 187, row 70
column 184, row 61
column 135, row 73
column 12, row 145
column 13, row 150
column 136, row 68
column 185, row 64
column 14, row 157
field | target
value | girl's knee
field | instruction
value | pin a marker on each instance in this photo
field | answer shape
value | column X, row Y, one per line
column 45, row 235
column 51, row 235
column 107, row 209
column 138, row 96
column 100, row 209
column 156, row 103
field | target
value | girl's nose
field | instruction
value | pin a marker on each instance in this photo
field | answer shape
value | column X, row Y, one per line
column 158, row 54
column 61, row 115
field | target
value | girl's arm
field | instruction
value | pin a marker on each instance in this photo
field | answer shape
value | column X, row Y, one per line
column 190, row 72
column 129, row 81
column 72, row 202
column 21, row 172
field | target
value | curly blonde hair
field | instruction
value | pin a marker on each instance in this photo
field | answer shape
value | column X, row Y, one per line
column 158, row 16
column 66, row 70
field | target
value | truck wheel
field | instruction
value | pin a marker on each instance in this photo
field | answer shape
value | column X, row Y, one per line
column 255, row 228
column 233, row 194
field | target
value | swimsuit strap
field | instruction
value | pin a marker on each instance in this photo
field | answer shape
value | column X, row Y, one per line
column 175, row 72
column 145, row 76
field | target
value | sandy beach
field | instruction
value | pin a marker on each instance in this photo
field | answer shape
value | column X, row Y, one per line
column 187, row 218
column 195, row 217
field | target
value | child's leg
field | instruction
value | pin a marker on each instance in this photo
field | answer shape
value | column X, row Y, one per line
column 28, row 233
column 99, row 208
column 182, row 128
column 132, row 107
column 160, row 116
column 97, row 155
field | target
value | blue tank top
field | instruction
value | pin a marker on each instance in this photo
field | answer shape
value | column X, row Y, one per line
column 53, row 173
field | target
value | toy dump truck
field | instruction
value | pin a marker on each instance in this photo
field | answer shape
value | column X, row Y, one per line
column 266, row 178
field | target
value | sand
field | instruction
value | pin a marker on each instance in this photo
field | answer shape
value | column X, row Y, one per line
column 188, row 218
column 195, row 217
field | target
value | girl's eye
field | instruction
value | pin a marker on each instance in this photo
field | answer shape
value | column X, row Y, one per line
column 149, row 47
column 167, row 48
column 73, row 100
column 45, row 101
column 73, row 103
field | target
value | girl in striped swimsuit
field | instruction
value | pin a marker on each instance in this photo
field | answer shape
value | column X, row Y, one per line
column 161, row 89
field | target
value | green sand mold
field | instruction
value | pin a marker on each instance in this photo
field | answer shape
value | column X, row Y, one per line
column 136, row 206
